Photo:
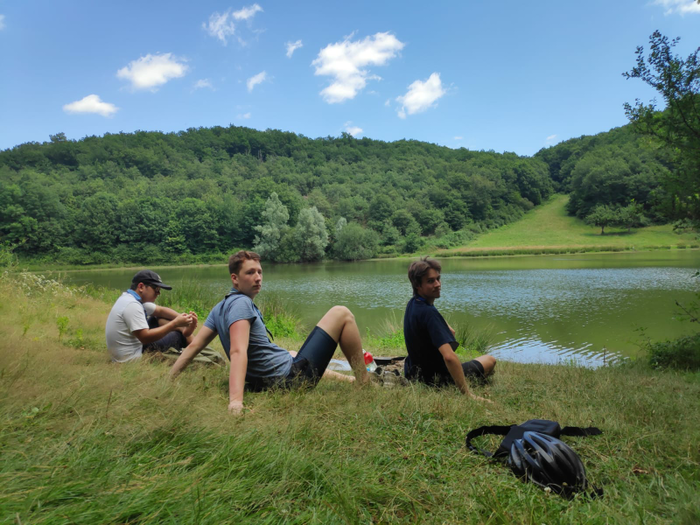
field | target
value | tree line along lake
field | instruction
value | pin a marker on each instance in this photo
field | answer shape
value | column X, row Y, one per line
column 589, row 309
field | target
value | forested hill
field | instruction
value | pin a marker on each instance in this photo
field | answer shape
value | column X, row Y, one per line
column 150, row 196
column 614, row 169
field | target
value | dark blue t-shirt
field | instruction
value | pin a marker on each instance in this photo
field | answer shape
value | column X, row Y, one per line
column 425, row 331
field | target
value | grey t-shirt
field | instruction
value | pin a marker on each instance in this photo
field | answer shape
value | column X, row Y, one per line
column 127, row 316
column 265, row 359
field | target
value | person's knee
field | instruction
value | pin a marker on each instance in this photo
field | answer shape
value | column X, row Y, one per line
column 342, row 313
column 488, row 362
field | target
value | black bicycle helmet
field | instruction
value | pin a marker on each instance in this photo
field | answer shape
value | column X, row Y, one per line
column 547, row 462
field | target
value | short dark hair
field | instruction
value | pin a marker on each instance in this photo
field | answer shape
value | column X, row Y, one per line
column 419, row 268
column 236, row 260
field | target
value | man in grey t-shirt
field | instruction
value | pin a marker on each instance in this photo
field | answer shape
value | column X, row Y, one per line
column 256, row 362
column 136, row 324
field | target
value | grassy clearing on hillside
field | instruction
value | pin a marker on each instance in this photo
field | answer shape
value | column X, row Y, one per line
column 548, row 229
column 86, row 441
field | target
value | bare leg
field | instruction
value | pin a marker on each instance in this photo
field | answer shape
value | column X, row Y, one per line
column 339, row 323
column 488, row 362
column 337, row 376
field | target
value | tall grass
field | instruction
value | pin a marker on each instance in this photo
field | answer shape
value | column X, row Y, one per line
column 474, row 340
column 86, row 441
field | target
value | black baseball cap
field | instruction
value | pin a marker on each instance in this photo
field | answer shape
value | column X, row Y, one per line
column 150, row 277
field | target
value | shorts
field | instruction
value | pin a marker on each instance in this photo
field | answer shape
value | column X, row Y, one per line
column 307, row 366
column 473, row 370
column 173, row 339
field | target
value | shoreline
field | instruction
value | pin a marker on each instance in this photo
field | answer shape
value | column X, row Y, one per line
column 466, row 253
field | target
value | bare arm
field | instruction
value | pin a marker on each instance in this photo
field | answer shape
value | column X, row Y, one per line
column 203, row 338
column 454, row 367
column 149, row 335
column 163, row 312
column 240, row 336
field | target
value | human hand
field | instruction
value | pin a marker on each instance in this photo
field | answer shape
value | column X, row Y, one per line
column 482, row 399
column 182, row 320
column 235, row 408
column 189, row 329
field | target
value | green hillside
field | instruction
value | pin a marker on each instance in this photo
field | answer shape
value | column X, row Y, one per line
column 193, row 196
column 548, row 227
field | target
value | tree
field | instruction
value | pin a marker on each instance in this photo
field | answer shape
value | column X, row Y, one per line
column 390, row 234
column 602, row 216
column 402, row 219
column 197, row 225
column 354, row 242
column 678, row 125
column 412, row 239
column 311, row 235
column 631, row 216
column 97, row 222
column 273, row 228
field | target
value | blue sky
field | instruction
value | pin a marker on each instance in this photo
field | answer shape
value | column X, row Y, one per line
column 505, row 76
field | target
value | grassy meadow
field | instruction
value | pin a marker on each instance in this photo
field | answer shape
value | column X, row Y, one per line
column 548, row 229
column 86, row 441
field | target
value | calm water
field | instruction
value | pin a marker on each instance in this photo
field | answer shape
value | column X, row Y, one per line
column 538, row 309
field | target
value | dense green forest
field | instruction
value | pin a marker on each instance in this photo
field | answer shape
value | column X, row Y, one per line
column 151, row 196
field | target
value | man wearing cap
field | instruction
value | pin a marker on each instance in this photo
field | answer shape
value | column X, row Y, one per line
column 137, row 325
column 430, row 341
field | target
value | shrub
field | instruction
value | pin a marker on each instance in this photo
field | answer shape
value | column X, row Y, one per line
column 8, row 259
column 454, row 239
column 682, row 353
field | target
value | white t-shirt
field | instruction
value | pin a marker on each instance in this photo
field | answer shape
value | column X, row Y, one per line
column 127, row 316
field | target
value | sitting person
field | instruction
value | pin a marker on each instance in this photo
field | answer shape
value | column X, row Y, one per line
column 430, row 341
column 137, row 325
column 256, row 362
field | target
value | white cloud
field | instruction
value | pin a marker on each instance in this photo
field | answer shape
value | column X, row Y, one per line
column 353, row 130
column 551, row 138
column 457, row 137
column 255, row 80
column 203, row 83
column 91, row 104
column 247, row 12
column 152, row 71
column 681, row 7
column 293, row 46
column 421, row 96
column 346, row 61
column 2, row 22
column 244, row 115
column 388, row 102
column 219, row 26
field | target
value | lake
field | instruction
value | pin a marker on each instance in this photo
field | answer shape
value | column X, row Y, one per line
column 587, row 309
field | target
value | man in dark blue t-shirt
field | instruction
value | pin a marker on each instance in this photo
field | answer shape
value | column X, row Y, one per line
column 430, row 341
